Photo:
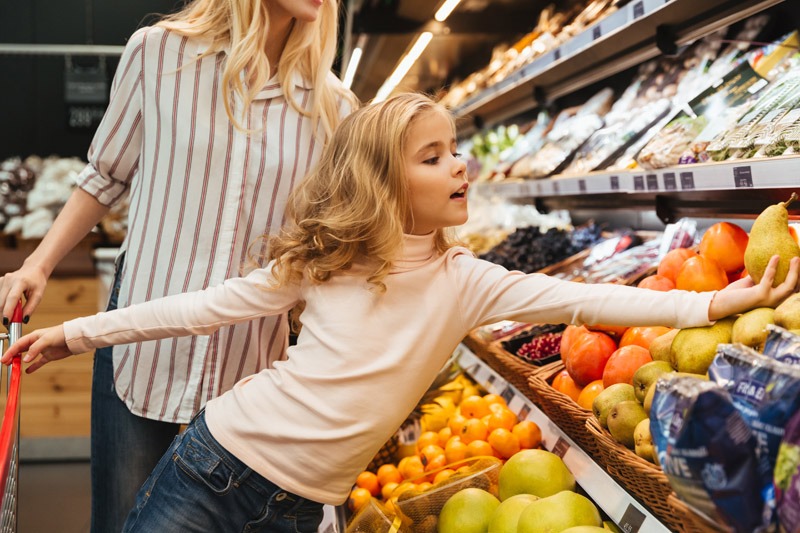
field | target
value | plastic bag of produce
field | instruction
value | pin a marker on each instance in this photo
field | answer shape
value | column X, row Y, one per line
column 782, row 345
column 787, row 477
column 708, row 452
column 666, row 148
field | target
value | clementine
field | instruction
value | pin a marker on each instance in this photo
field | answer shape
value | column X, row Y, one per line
column 528, row 433
column 358, row 498
column 725, row 243
column 564, row 383
column 444, row 435
column 368, row 480
column 429, row 455
column 474, row 429
column 700, row 274
column 475, row 407
column 455, row 451
column 504, row 442
column 589, row 393
column 388, row 473
column 503, row 418
column 672, row 261
column 623, row 363
column 388, row 489
column 479, row 447
column 427, row 438
column 443, row 475
column 495, row 399
column 588, row 355
column 657, row 283
column 642, row 335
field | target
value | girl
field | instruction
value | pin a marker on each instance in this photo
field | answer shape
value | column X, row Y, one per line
column 387, row 299
column 215, row 113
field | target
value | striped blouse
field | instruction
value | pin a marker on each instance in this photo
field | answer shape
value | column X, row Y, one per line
column 200, row 192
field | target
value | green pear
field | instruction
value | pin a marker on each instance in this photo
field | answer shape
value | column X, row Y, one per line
column 608, row 398
column 646, row 375
column 659, row 347
column 608, row 525
column 770, row 236
column 622, row 421
column 643, row 441
column 647, row 403
column 750, row 328
column 694, row 348
column 787, row 314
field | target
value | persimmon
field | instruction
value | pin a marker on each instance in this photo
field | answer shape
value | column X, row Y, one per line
column 614, row 331
column 725, row 243
column 623, row 363
column 588, row 355
column 700, row 274
column 642, row 335
column 657, row 283
column 564, row 383
column 568, row 338
column 672, row 262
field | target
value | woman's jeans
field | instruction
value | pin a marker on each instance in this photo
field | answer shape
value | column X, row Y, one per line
column 198, row 486
column 125, row 447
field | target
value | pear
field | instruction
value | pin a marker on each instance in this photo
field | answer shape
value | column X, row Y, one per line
column 770, row 236
column 622, row 421
column 608, row 398
column 787, row 314
column 693, row 349
column 659, row 347
column 647, row 403
column 643, row 441
column 646, row 375
column 750, row 328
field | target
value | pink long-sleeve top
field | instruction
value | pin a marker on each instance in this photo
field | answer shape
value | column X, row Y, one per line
column 364, row 359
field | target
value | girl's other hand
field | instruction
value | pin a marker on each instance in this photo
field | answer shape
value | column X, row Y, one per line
column 43, row 346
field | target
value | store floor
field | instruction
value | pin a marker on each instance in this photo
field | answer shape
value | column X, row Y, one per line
column 54, row 496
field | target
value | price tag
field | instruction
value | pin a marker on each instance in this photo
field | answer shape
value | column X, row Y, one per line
column 638, row 10
column 490, row 380
column 613, row 182
column 687, row 180
column 561, row 447
column 507, row 394
column 582, row 186
column 670, row 183
column 742, row 177
column 596, row 32
column 638, row 183
column 632, row 520
column 410, row 432
column 556, row 188
column 539, row 187
column 524, row 412
column 557, row 54
column 652, row 182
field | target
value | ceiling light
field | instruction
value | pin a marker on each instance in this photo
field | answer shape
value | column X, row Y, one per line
column 446, row 9
column 404, row 66
column 352, row 65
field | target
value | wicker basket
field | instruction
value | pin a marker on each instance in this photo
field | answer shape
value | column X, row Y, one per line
column 513, row 369
column 691, row 522
column 562, row 409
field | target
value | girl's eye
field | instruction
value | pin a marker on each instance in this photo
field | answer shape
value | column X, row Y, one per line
column 432, row 160
column 457, row 155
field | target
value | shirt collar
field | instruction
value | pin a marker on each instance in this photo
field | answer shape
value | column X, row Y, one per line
column 417, row 251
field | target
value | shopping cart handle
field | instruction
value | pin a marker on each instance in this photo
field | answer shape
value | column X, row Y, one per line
column 17, row 316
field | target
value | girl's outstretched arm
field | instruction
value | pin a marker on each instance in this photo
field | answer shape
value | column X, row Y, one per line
column 43, row 346
column 744, row 295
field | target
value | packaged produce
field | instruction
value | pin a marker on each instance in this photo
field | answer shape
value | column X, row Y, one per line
column 667, row 147
column 782, row 345
column 787, row 478
column 708, row 452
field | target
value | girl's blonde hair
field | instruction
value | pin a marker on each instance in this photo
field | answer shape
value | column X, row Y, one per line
column 355, row 204
column 243, row 26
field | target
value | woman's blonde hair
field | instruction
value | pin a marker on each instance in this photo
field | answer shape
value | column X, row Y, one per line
column 243, row 26
column 355, row 204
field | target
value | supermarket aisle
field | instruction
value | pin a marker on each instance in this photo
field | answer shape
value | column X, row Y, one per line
column 54, row 496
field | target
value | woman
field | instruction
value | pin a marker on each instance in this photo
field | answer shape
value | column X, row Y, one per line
column 215, row 113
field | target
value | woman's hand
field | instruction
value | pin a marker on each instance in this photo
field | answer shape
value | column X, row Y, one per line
column 29, row 282
column 744, row 295
column 43, row 346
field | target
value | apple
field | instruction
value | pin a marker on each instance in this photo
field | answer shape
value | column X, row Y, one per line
column 467, row 511
column 536, row 472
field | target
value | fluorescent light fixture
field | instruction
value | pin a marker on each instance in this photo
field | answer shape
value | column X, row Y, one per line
column 404, row 66
column 447, row 8
column 352, row 65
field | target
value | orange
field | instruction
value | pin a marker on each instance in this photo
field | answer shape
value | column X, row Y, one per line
column 411, row 467
column 479, row 447
column 368, row 480
column 504, row 442
column 501, row 418
column 443, row 475
column 474, row 429
column 429, row 453
column 436, row 463
column 401, row 488
column 564, row 383
column 528, row 433
column 457, row 423
column 495, row 399
column 474, row 407
column 388, row 489
column 425, row 485
column 427, row 438
column 388, row 473
column 455, row 451
column 444, row 435
column 589, row 393
column 358, row 498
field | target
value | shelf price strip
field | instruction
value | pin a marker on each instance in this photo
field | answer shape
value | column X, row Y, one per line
column 742, row 177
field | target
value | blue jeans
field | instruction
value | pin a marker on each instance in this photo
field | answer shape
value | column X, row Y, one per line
column 198, row 486
column 124, row 447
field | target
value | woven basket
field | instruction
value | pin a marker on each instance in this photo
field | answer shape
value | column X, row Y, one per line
column 691, row 521
column 644, row 480
column 562, row 409
column 513, row 369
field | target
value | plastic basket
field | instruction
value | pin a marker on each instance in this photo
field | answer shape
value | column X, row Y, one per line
column 561, row 409
column 374, row 518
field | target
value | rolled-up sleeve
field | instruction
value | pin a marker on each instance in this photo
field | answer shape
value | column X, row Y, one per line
column 114, row 153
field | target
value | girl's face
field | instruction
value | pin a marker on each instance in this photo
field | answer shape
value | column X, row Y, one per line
column 437, row 178
column 302, row 10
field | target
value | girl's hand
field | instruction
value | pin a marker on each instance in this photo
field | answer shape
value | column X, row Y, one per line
column 744, row 295
column 43, row 346
column 28, row 282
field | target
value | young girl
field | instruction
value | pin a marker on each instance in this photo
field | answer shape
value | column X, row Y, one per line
column 215, row 114
column 387, row 299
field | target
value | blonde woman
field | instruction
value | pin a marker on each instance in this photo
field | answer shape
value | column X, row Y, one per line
column 386, row 293
column 215, row 114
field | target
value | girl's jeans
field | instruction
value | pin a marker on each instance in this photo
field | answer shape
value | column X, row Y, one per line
column 198, row 486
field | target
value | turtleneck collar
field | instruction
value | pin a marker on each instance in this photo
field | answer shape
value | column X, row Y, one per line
column 417, row 251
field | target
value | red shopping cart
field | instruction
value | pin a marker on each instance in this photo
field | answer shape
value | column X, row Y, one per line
column 9, row 433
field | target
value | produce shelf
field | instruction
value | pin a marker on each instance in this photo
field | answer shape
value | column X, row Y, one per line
column 621, row 507
column 635, row 33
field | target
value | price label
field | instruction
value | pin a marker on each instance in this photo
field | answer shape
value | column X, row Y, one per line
column 652, row 182
column 539, row 188
column 490, row 380
column 670, row 183
column 582, row 186
column 561, row 447
column 742, row 177
column 638, row 183
column 556, row 188
column 613, row 182
column 557, row 54
column 524, row 412
column 507, row 394
column 596, row 32
column 632, row 520
column 687, row 180
column 638, row 10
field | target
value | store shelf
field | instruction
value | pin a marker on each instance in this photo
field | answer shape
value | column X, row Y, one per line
column 635, row 33
column 735, row 188
column 620, row 506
